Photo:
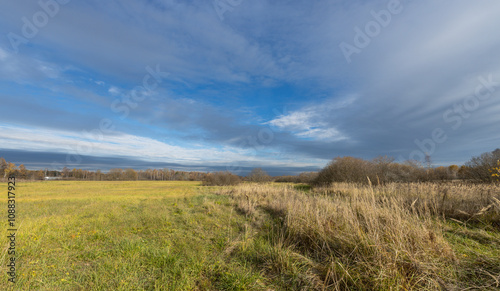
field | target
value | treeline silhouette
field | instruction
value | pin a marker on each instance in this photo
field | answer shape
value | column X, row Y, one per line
column 383, row 170
column 484, row 168
column 8, row 169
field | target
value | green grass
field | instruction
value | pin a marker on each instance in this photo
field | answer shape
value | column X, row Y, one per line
column 478, row 251
column 146, row 235
column 125, row 236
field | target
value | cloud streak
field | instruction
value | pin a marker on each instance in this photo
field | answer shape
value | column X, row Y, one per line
column 231, row 80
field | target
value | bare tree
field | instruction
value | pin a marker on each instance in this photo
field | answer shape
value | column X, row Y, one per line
column 258, row 175
column 221, row 179
column 479, row 168
column 130, row 175
column 65, row 172
column 22, row 171
column 3, row 166
column 11, row 169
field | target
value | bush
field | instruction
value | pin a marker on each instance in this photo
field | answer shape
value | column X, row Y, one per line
column 304, row 177
column 259, row 176
column 221, row 179
column 345, row 169
column 479, row 168
column 379, row 171
column 286, row 179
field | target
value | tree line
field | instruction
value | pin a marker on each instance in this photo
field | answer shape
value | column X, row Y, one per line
column 8, row 169
column 216, row 178
column 484, row 168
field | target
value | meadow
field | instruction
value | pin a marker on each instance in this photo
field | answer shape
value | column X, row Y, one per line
column 144, row 235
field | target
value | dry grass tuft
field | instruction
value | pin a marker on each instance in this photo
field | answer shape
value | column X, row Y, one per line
column 349, row 236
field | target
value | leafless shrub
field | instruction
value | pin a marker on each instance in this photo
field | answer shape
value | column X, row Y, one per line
column 221, row 179
column 305, row 177
column 258, row 175
column 380, row 171
column 478, row 169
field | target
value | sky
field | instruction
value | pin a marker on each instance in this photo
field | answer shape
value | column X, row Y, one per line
column 237, row 84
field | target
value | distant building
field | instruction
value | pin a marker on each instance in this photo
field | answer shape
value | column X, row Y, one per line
column 52, row 178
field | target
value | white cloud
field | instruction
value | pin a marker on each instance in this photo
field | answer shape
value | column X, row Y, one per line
column 23, row 69
column 114, row 90
column 49, row 70
column 293, row 121
column 427, row 59
column 119, row 144
column 306, row 125
column 3, row 54
column 312, row 121
column 128, row 146
column 328, row 134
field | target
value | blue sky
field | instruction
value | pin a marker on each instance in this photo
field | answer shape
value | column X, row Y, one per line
column 237, row 84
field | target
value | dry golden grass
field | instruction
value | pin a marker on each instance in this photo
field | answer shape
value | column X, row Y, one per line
column 181, row 236
column 348, row 236
column 466, row 202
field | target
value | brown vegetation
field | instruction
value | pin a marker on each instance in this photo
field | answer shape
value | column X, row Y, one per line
column 305, row 177
column 221, row 179
column 479, row 168
column 258, row 175
column 116, row 174
column 346, row 236
column 384, row 170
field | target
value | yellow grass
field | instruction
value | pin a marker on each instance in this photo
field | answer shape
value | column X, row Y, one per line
column 121, row 236
column 146, row 235
column 105, row 190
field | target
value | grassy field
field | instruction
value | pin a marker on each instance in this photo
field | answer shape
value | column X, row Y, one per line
column 182, row 236
column 124, row 236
